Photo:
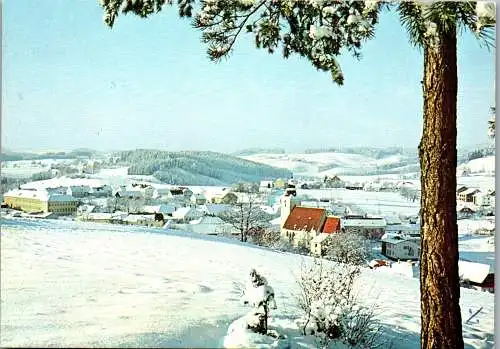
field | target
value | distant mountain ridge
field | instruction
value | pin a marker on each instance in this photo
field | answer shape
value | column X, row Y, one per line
column 196, row 167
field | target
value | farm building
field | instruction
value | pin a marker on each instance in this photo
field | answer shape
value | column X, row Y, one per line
column 40, row 201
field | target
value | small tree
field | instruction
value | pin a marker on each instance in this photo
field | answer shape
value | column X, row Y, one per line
column 259, row 295
column 245, row 217
column 347, row 248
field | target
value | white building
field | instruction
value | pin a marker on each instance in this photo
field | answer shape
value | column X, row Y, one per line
column 400, row 248
column 372, row 227
column 186, row 214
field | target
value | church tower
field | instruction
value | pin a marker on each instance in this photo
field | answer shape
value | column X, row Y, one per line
column 287, row 203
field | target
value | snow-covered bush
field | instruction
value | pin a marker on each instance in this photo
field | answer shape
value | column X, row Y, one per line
column 251, row 330
column 331, row 311
column 347, row 248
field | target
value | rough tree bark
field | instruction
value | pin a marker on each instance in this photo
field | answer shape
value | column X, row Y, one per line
column 439, row 280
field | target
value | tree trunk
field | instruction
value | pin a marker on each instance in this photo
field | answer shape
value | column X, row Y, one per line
column 439, row 281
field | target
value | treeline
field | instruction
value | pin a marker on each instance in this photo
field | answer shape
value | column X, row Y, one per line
column 376, row 153
column 15, row 156
column 481, row 153
column 251, row 151
column 9, row 183
column 196, row 167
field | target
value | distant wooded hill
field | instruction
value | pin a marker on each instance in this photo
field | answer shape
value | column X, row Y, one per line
column 197, row 167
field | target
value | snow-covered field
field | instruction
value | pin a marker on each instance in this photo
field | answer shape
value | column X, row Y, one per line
column 82, row 284
column 478, row 181
column 27, row 168
column 378, row 203
column 481, row 165
column 321, row 164
column 25, row 171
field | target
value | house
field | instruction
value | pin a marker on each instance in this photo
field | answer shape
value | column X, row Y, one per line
column 160, row 192
column 215, row 209
column 78, row 191
column 476, row 275
column 225, row 198
column 460, row 190
column 302, row 224
column 280, row 183
column 186, row 214
column 148, row 191
column 392, row 220
column 186, row 192
column 129, row 194
column 144, row 219
column 175, row 193
column 468, row 194
column 354, row 186
column 492, row 198
column 198, row 199
column 102, row 191
column 101, row 217
column 483, row 198
column 165, row 209
column 371, row 227
column 40, row 201
column 332, row 225
column 400, row 248
column 318, row 243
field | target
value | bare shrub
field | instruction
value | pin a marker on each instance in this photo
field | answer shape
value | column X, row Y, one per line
column 266, row 237
column 331, row 310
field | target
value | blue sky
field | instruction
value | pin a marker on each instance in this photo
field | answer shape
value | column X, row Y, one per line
column 69, row 82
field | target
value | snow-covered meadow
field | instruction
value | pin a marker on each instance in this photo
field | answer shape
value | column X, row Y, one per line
column 327, row 163
column 371, row 202
column 81, row 284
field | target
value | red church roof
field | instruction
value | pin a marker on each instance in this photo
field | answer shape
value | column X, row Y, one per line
column 305, row 219
column 332, row 225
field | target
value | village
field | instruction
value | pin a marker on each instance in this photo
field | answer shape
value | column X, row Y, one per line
column 305, row 213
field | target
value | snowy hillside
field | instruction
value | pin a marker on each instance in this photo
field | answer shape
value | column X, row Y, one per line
column 329, row 163
column 80, row 284
column 196, row 167
column 485, row 165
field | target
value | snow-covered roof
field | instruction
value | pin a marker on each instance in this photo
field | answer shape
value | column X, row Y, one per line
column 394, row 240
column 207, row 220
column 470, row 191
column 364, row 222
column 138, row 217
column 80, row 188
column 472, row 271
column 41, row 195
column 183, row 212
column 392, row 220
column 269, row 210
column 216, row 208
column 403, row 227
